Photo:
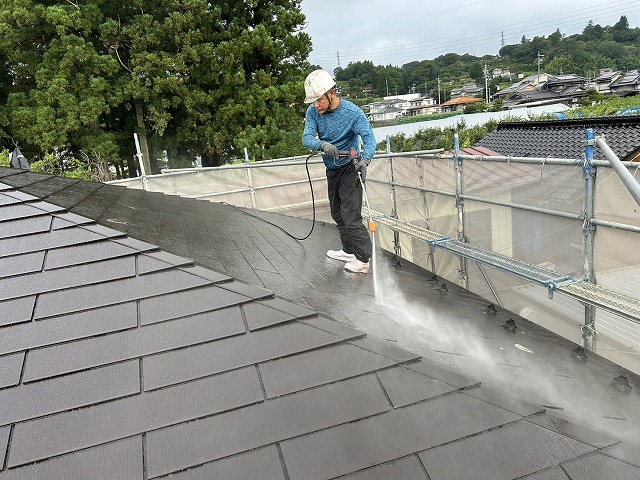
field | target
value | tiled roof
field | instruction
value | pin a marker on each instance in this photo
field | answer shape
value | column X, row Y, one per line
column 120, row 360
column 461, row 101
column 629, row 78
column 564, row 138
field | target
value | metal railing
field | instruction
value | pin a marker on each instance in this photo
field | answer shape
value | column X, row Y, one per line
column 581, row 287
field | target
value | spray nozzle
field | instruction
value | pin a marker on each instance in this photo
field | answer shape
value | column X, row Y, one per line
column 351, row 153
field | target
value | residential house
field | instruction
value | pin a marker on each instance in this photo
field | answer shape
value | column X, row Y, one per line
column 544, row 88
column 390, row 108
column 422, row 106
column 627, row 84
column 457, row 104
column 469, row 89
column 527, row 84
column 499, row 72
column 603, row 81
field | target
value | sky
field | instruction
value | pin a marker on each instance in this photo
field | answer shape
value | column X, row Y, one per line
column 395, row 32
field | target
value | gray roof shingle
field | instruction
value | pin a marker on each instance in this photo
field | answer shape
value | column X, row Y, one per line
column 122, row 360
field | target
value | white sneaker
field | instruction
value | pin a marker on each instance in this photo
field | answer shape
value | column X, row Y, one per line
column 357, row 266
column 340, row 255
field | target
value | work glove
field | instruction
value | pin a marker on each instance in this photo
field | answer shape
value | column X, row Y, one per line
column 361, row 167
column 330, row 150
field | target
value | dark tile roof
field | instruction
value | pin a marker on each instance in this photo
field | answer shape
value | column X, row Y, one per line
column 121, row 360
column 629, row 78
column 564, row 138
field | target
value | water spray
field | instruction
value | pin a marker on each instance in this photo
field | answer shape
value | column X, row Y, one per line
column 353, row 155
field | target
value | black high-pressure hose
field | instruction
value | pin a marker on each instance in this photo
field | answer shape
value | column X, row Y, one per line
column 313, row 206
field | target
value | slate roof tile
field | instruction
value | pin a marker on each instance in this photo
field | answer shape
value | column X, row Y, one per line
column 70, row 277
column 175, row 304
column 507, row 402
column 39, row 399
column 122, row 360
column 385, row 349
column 84, row 254
column 51, row 331
column 16, row 311
column 45, row 437
column 10, row 369
column 408, row 468
column 24, row 226
column 118, row 291
column 553, row 473
column 27, row 178
column 73, row 194
column 625, row 451
column 263, row 463
column 4, row 442
column 71, row 218
column 573, row 429
column 442, row 374
column 49, row 186
column 405, row 387
column 337, row 451
column 271, row 421
column 20, row 264
column 18, row 211
column 54, row 360
column 318, row 367
column 260, row 315
column 234, row 352
column 503, row 453
column 598, row 465
column 124, row 459
column 46, row 240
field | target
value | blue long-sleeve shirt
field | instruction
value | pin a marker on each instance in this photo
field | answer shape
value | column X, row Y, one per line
column 341, row 127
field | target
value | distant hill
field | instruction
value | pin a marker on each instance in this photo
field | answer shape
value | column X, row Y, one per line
column 584, row 54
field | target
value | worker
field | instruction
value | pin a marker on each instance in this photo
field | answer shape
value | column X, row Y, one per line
column 335, row 127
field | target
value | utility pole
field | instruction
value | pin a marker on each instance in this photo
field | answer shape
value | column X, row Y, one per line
column 502, row 41
column 386, row 79
column 486, row 82
column 539, row 62
column 438, row 89
column 338, row 55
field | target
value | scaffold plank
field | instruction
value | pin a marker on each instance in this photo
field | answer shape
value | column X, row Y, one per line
column 589, row 293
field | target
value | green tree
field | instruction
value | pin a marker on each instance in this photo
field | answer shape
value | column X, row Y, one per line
column 561, row 64
column 389, row 81
column 204, row 78
column 476, row 72
column 435, row 138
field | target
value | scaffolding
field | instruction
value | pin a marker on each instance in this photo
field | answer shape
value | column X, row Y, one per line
column 501, row 227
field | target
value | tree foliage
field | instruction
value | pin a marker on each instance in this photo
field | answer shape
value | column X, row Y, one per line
column 436, row 138
column 190, row 77
column 616, row 47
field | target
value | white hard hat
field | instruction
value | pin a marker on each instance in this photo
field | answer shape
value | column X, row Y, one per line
column 317, row 84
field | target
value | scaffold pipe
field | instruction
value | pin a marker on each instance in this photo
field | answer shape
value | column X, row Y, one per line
column 625, row 175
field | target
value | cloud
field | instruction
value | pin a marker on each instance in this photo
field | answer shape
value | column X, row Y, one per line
column 397, row 32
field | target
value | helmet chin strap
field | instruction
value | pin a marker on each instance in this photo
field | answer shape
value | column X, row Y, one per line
column 328, row 98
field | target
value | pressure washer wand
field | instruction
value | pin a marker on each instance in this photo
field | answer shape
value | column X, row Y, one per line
column 352, row 155
column 372, row 224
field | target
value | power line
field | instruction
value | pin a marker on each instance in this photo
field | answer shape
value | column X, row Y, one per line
column 427, row 48
column 477, row 39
